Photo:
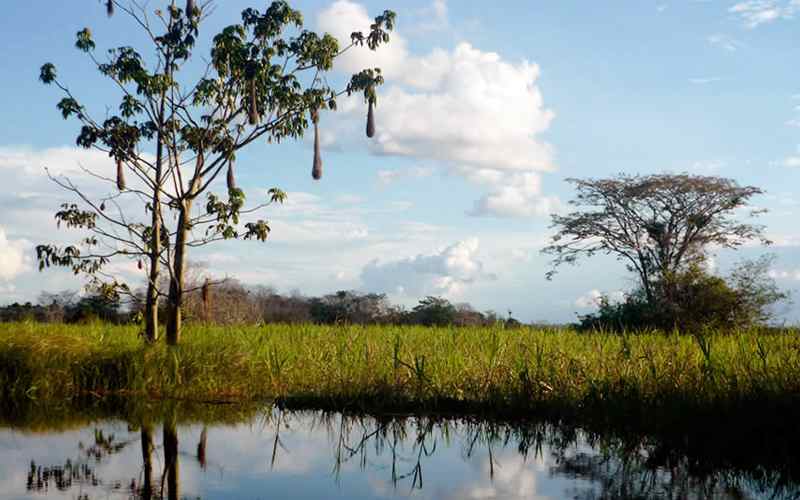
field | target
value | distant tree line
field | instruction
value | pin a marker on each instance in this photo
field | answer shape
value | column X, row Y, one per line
column 66, row 307
column 231, row 302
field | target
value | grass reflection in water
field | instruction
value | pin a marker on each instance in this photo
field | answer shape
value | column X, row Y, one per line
column 405, row 454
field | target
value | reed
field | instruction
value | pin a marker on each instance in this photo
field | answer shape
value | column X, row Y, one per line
column 513, row 372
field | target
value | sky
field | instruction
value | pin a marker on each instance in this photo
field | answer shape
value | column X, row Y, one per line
column 487, row 109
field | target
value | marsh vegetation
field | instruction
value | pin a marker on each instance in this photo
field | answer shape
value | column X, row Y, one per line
column 649, row 378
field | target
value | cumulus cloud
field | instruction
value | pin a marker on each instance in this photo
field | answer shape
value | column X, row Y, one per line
column 522, row 197
column 13, row 260
column 446, row 272
column 466, row 109
column 344, row 17
column 757, row 12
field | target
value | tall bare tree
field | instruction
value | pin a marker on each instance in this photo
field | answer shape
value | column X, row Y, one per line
column 657, row 224
column 264, row 80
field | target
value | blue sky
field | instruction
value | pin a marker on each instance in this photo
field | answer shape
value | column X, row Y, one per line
column 487, row 108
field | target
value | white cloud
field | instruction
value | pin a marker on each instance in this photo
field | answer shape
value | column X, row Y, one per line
column 344, row 17
column 447, row 272
column 304, row 231
column 59, row 161
column 791, row 161
column 467, row 109
column 591, row 299
column 349, row 199
column 13, row 260
column 757, row 12
column 90, row 170
column 522, row 197
column 386, row 177
column 512, row 476
column 724, row 42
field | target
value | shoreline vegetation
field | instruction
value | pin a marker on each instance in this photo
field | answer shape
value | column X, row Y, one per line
column 650, row 381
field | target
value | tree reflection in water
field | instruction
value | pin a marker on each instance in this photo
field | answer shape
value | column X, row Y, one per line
column 77, row 473
column 82, row 473
column 146, row 488
column 610, row 466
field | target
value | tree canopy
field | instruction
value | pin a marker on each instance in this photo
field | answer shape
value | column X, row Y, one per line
column 658, row 224
column 177, row 130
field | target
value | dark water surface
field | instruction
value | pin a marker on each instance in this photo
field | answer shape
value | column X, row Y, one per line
column 302, row 455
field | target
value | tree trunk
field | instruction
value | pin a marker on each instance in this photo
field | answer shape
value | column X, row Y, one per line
column 176, row 287
column 151, row 303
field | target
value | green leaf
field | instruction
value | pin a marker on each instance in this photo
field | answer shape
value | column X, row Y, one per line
column 68, row 106
column 84, row 40
column 47, row 74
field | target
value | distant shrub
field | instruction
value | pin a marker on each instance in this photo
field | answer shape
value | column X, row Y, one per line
column 434, row 311
column 694, row 300
column 350, row 307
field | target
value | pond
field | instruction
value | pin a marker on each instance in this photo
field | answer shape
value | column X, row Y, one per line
column 273, row 453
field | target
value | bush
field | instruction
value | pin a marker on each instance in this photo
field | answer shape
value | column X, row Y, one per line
column 434, row 311
column 694, row 300
column 350, row 307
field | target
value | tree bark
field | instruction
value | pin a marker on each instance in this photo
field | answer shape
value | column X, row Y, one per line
column 176, row 287
column 151, row 304
column 151, row 300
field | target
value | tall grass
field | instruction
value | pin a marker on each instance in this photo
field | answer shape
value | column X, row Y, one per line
column 513, row 372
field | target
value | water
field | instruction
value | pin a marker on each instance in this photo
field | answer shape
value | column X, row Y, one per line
column 279, row 454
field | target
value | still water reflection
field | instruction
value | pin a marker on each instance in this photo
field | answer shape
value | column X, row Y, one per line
column 278, row 454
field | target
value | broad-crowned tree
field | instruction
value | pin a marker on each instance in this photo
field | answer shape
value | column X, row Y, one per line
column 177, row 129
column 658, row 225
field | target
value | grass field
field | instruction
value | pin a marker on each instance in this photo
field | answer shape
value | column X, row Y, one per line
column 516, row 372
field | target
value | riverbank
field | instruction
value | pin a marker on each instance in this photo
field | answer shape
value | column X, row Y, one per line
column 653, row 380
